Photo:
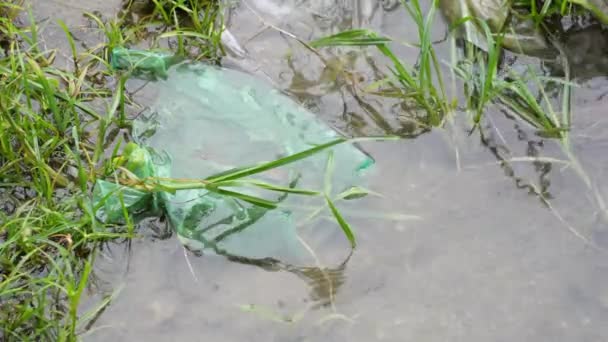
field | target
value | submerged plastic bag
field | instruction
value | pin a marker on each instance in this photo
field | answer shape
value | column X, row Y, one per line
column 208, row 120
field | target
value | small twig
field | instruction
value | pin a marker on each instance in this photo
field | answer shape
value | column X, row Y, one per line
column 287, row 33
column 189, row 264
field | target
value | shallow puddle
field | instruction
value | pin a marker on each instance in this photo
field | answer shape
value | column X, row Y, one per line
column 485, row 261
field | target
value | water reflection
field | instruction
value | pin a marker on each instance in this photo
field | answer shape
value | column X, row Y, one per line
column 586, row 48
column 492, row 139
column 324, row 282
column 580, row 50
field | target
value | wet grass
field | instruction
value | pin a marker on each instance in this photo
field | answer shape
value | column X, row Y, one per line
column 190, row 28
column 541, row 10
column 48, row 232
column 486, row 81
column 422, row 88
column 59, row 130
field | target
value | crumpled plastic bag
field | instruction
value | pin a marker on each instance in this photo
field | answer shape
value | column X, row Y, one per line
column 211, row 120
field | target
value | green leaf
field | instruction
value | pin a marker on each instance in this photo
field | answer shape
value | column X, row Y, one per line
column 354, row 193
column 180, row 33
column 343, row 224
column 252, row 170
column 260, row 202
column 357, row 37
column 248, row 171
column 268, row 186
column 329, row 172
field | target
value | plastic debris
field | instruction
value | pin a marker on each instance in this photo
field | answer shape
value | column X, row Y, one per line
column 205, row 120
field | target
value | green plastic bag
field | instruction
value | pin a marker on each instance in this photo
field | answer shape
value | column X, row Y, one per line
column 211, row 120
column 147, row 65
column 114, row 200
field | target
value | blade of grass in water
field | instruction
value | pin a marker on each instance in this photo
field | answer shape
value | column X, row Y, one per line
column 244, row 197
column 342, row 222
column 249, row 171
column 267, row 186
column 329, row 172
column 355, row 37
column 417, row 85
column 487, row 87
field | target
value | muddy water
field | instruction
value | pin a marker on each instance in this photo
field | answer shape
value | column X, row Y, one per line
column 486, row 261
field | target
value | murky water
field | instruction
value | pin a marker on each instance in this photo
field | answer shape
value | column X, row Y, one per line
column 487, row 261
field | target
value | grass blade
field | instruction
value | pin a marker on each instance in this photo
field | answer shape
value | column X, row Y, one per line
column 277, row 163
column 342, row 222
column 260, row 202
column 268, row 186
column 356, row 37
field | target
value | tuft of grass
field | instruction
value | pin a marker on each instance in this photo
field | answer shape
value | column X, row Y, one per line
column 45, row 260
column 479, row 70
column 48, row 234
column 191, row 28
column 552, row 8
column 58, row 134
column 422, row 88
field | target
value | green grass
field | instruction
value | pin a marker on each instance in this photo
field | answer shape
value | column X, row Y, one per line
column 541, row 11
column 523, row 94
column 422, row 88
column 191, row 28
column 485, row 84
column 56, row 128
column 46, row 146
column 46, row 258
